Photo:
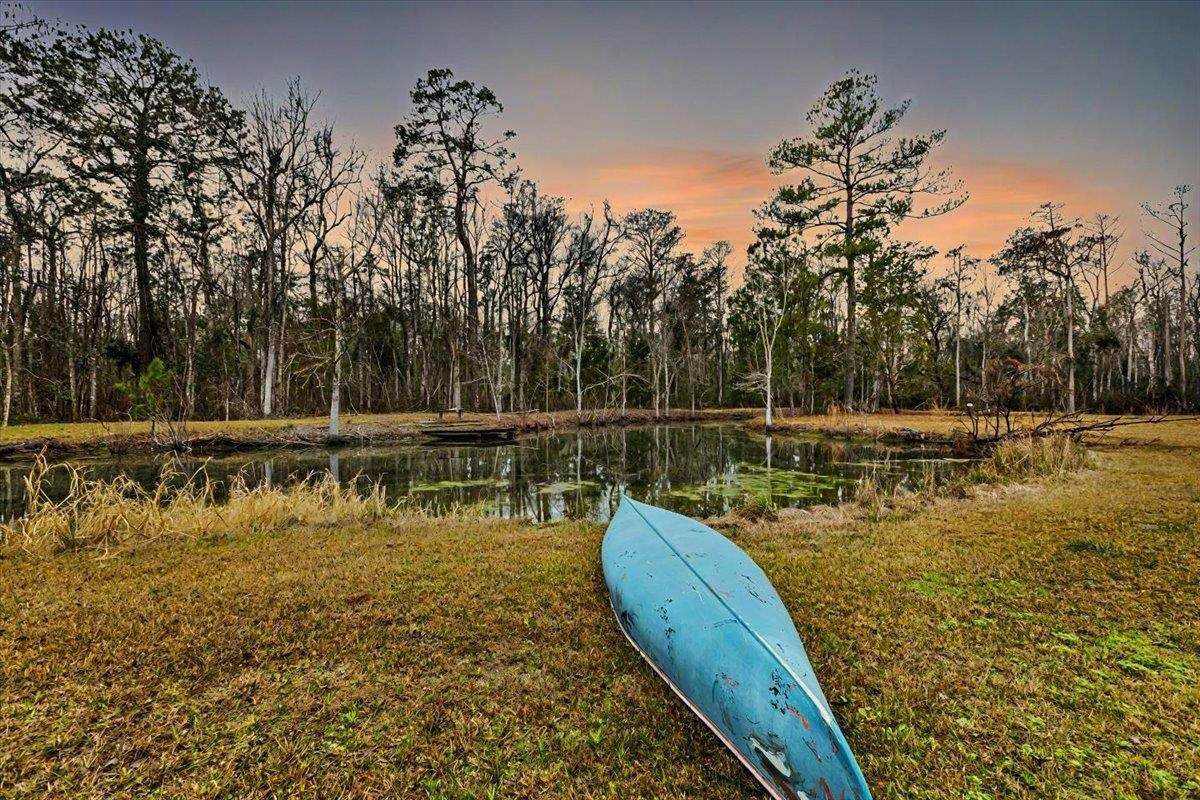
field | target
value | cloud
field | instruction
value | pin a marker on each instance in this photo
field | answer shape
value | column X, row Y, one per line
column 1002, row 197
column 714, row 193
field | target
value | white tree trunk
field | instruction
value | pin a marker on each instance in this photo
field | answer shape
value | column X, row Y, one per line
column 769, row 394
column 335, row 383
column 268, row 389
column 578, row 374
column 1070, row 346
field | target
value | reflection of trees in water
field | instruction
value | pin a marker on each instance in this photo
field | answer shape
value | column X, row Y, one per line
column 577, row 474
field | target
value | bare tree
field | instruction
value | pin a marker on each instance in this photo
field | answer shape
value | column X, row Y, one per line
column 962, row 274
column 1173, row 246
column 589, row 267
column 274, row 177
column 777, row 265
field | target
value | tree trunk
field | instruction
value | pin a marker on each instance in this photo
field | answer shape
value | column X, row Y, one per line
column 851, row 309
column 770, row 423
column 268, row 378
column 578, row 374
column 139, row 213
column 1070, row 345
column 958, row 354
column 335, row 381
column 1183, row 343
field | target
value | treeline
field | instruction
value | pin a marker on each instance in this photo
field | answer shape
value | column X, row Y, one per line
column 169, row 251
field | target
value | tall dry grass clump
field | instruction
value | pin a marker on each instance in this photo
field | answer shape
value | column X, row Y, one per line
column 102, row 514
column 1030, row 457
column 1026, row 458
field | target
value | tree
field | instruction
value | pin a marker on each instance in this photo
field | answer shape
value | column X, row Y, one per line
column 130, row 111
column 332, row 176
column 858, row 181
column 892, row 321
column 777, row 264
column 652, row 259
column 148, row 394
column 1173, row 246
column 443, row 142
column 589, row 267
column 279, row 177
column 716, row 258
column 29, row 60
column 1056, row 249
column 962, row 274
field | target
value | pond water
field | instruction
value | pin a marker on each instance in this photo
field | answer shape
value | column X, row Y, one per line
column 698, row 470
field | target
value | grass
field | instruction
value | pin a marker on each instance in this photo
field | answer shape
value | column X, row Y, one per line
column 353, row 425
column 1033, row 640
column 100, row 514
column 1030, row 459
column 1174, row 432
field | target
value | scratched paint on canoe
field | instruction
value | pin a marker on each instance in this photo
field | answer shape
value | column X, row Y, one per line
column 710, row 623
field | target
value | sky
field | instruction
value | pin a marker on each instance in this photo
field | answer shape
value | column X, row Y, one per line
column 676, row 105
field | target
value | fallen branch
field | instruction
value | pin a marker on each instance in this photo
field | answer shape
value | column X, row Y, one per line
column 1071, row 425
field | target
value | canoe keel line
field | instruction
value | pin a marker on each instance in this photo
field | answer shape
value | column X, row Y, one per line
column 708, row 621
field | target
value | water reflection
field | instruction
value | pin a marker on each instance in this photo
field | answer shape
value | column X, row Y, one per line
column 696, row 470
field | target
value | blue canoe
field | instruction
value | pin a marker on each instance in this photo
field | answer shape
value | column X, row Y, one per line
column 710, row 623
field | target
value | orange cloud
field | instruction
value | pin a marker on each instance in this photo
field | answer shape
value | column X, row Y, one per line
column 714, row 193
column 1002, row 196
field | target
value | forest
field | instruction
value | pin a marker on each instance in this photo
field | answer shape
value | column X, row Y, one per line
column 168, row 250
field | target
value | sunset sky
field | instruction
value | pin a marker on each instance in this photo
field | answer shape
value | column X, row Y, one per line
column 677, row 105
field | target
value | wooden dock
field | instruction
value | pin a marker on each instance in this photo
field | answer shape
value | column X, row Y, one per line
column 471, row 433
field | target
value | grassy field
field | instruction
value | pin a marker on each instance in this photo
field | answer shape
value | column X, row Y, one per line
column 1027, row 641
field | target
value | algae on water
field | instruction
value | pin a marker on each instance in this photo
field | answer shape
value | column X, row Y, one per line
column 760, row 482
column 566, row 486
column 437, row 486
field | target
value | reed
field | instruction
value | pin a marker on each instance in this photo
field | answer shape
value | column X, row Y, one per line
column 103, row 514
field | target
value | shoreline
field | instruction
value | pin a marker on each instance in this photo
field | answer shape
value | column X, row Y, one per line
column 220, row 437
column 215, row 438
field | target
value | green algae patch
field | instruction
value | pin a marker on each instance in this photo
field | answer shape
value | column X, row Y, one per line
column 477, row 483
column 756, row 482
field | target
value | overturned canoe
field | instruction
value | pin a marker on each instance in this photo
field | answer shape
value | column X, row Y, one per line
column 710, row 623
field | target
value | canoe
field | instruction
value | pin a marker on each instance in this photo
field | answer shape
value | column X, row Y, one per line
column 706, row 618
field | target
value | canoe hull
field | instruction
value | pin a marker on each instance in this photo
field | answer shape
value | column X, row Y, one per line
column 708, row 621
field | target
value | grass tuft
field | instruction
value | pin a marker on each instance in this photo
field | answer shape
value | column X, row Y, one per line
column 102, row 514
column 1031, row 458
column 1028, row 459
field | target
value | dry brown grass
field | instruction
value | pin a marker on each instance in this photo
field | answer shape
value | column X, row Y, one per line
column 102, row 514
column 1038, row 641
column 1031, row 458
column 1173, row 432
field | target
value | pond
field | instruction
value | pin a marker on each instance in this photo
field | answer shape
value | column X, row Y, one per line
column 698, row 470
